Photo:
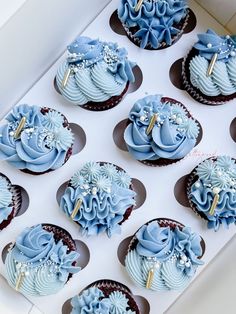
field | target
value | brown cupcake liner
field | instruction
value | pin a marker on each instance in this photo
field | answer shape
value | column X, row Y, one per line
column 192, row 178
column 66, row 124
column 164, row 161
column 108, row 286
column 16, row 203
column 128, row 210
column 164, row 222
column 135, row 40
column 196, row 93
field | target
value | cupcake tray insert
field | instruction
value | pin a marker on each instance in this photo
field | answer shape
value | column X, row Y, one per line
column 159, row 182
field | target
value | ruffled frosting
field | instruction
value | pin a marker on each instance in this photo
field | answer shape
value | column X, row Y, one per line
column 172, row 137
column 222, row 81
column 43, row 142
column 93, row 300
column 6, row 196
column 105, row 194
column 156, row 20
column 98, row 71
column 44, row 263
column 174, row 269
column 216, row 176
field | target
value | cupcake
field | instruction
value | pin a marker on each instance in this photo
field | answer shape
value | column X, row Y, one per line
column 105, row 296
column 95, row 75
column 153, row 24
column 41, row 261
column 209, row 70
column 160, row 131
column 99, row 198
column 164, row 255
column 10, row 201
column 211, row 191
column 35, row 140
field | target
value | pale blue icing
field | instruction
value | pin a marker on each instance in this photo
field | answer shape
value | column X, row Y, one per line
column 93, row 300
column 174, row 269
column 99, row 71
column 222, row 81
column 5, row 199
column 220, row 174
column 43, row 143
column 106, row 195
column 210, row 43
column 156, row 20
column 45, row 263
column 172, row 137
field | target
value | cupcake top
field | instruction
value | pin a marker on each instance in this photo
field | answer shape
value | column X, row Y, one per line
column 38, row 263
column 160, row 128
column 213, row 190
column 35, row 139
column 94, row 300
column 94, row 71
column 154, row 21
column 98, row 198
column 213, row 68
column 6, row 199
column 163, row 258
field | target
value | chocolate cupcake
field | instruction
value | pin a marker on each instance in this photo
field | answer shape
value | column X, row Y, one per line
column 95, row 75
column 164, row 255
column 153, row 24
column 209, row 70
column 10, row 201
column 211, row 190
column 99, row 198
column 105, row 296
column 35, row 140
column 160, row 131
column 41, row 261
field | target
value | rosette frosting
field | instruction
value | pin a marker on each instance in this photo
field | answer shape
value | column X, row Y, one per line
column 173, row 135
column 175, row 263
column 93, row 300
column 104, row 194
column 6, row 206
column 215, row 176
column 39, row 262
column 43, row 142
column 222, row 81
column 155, row 22
column 97, row 71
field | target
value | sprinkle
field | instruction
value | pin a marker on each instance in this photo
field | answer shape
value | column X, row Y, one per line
column 152, row 123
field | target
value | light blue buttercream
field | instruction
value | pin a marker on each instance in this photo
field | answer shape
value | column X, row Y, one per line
column 106, row 195
column 44, row 263
column 6, row 196
column 172, row 137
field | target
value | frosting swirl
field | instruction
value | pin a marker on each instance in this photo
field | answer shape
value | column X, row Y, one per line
column 172, row 269
column 43, row 262
column 155, row 20
column 172, row 137
column 6, row 196
column 215, row 176
column 105, row 196
column 43, row 143
column 98, row 71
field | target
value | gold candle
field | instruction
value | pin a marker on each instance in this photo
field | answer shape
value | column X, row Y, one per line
column 150, row 278
column 76, row 209
column 20, row 127
column 19, row 281
column 151, row 124
column 212, row 64
column 66, row 77
column 138, row 5
column 214, row 204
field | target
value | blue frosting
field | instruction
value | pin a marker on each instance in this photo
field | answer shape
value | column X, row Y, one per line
column 216, row 176
column 93, row 300
column 156, row 20
column 44, row 262
column 106, row 195
column 210, row 43
column 172, row 137
column 43, row 142
column 6, row 202
column 172, row 253
column 98, row 71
